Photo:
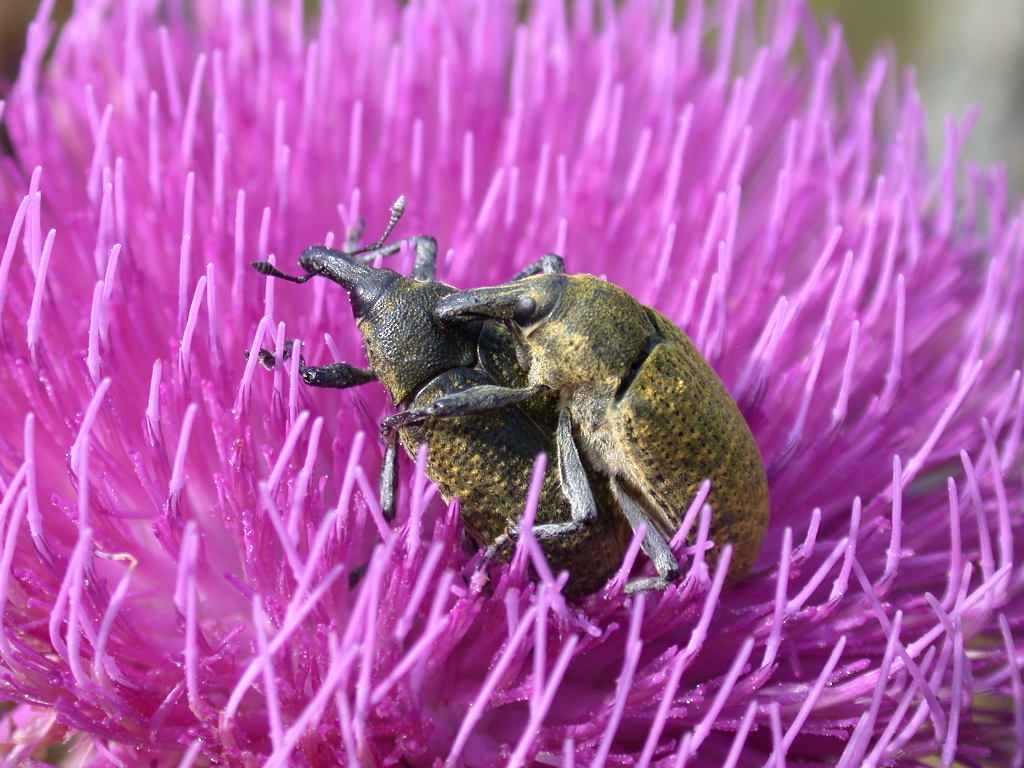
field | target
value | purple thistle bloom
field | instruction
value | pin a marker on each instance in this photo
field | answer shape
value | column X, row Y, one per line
column 178, row 527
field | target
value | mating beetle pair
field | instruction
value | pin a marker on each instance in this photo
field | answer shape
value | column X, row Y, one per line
column 565, row 364
column 484, row 460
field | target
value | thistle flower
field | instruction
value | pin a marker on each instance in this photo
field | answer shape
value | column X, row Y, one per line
column 178, row 528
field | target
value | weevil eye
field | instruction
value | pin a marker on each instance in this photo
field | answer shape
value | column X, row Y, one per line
column 524, row 310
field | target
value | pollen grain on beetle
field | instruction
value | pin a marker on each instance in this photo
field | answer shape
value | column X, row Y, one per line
column 195, row 566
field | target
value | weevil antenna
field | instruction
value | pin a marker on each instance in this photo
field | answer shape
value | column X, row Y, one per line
column 268, row 269
column 397, row 209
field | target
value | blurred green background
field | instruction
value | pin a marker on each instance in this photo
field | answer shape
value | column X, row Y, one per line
column 965, row 52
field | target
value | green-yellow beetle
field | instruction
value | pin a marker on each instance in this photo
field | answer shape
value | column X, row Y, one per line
column 646, row 410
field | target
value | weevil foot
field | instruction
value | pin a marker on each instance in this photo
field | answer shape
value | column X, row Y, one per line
column 647, row 584
column 268, row 359
column 482, row 398
column 354, row 234
column 389, row 424
column 503, row 542
column 264, row 357
column 356, row 575
column 336, row 375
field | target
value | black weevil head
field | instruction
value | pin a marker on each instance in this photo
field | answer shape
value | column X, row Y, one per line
column 405, row 344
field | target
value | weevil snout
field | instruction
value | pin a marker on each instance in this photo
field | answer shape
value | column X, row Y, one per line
column 524, row 302
column 364, row 283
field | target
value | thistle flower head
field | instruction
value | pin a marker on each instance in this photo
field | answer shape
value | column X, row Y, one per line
column 179, row 527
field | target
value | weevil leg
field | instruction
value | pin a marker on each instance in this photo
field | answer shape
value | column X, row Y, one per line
column 268, row 359
column 654, row 545
column 575, row 486
column 335, row 376
column 389, row 479
column 500, row 544
column 548, row 264
column 480, row 399
column 354, row 234
column 424, row 269
column 356, row 575
column 397, row 209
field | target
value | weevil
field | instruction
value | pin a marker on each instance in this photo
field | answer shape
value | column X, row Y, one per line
column 486, row 459
column 645, row 409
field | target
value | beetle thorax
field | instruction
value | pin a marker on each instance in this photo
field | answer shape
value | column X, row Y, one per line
column 404, row 344
column 591, row 340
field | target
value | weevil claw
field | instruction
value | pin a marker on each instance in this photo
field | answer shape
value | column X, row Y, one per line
column 503, row 542
column 264, row 357
column 356, row 575
column 268, row 359
column 403, row 419
column 647, row 584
